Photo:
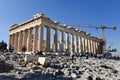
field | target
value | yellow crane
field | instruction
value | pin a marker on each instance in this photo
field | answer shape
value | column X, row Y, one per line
column 102, row 27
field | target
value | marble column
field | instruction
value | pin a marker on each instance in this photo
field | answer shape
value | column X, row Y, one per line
column 67, row 41
column 91, row 46
column 99, row 47
column 81, row 44
column 16, row 42
column 76, row 44
column 94, row 47
column 62, row 40
column 48, row 39
column 41, row 37
column 13, row 38
column 21, row 41
column 55, row 40
column 61, row 37
column 84, row 49
column 24, row 38
column 35, row 42
column 10, row 40
column 72, row 42
column 87, row 45
column 29, row 39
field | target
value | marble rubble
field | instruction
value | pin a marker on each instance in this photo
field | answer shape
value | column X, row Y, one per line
column 14, row 67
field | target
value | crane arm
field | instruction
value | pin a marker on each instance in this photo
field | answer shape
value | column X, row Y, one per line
column 97, row 27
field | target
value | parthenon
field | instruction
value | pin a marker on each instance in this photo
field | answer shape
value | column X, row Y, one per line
column 31, row 35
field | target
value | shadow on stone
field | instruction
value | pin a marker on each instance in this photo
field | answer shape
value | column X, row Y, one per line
column 3, row 77
column 5, row 67
column 47, row 76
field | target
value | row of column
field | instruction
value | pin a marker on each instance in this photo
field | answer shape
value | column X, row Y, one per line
column 31, row 41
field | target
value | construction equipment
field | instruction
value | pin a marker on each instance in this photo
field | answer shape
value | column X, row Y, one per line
column 102, row 27
column 109, row 48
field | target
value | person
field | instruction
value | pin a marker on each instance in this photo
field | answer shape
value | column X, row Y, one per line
column 34, row 53
column 11, row 48
column 23, row 49
column 39, row 53
column 86, row 55
column 72, row 55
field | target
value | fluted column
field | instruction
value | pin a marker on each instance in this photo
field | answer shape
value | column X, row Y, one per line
column 10, row 40
column 13, row 38
column 21, row 40
column 41, row 37
column 99, row 48
column 61, row 37
column 94, row 47
column 90, row 46
column 29, row 40
column 16, row 42
column 35, row 45
column 55, row 40
column 48, row 39
column 72, row 42
column 81, row 44
column 62, row 40
column 76, row 43
column 24, row 38
column 67, row 40
column 87, row 46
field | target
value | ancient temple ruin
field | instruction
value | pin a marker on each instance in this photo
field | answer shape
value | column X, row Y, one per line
column 31, row 35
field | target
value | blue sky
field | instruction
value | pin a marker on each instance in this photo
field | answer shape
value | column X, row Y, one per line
column 71, row 12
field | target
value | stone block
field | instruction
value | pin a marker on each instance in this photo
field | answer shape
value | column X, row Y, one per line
column 73, row 75
column 31, row 58
column 42, row 60
column 59, row 73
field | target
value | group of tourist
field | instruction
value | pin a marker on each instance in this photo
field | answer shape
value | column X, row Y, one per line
column 37, row 53
column 116, row 57
column 72, row 54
